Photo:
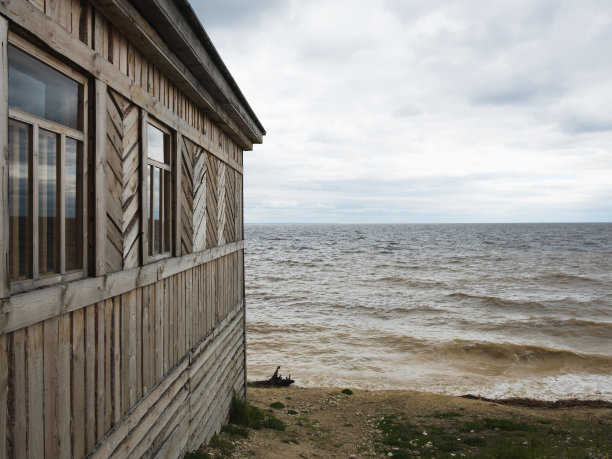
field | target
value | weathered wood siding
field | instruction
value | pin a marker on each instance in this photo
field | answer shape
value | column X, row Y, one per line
column 142, row 360
column 85, row 370
column 122, row 183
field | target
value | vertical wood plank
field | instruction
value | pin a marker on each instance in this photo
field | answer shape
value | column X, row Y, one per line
column 4, row 208
column 64, row 388
column 100, row 364
column 189, row 309
column 36, row 427
column 152, row 331
column 180, row 326
column 98, row 33
column 125, row 353
column 117, row 379
column 100, row 178
column 90, row 376
column 50, row 386
column 177, row 192
column 4, row 381
column 168, row 324
column 144, row 237
column 144, row 348
column 78, row 383
column 108, row 358
column 139, row 340
column 74, row 17
column 159, row 331
column 20, row 394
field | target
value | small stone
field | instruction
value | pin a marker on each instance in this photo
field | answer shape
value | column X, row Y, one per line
column 390, row 454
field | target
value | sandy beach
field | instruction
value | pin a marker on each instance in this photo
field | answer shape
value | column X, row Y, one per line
column 325, row 422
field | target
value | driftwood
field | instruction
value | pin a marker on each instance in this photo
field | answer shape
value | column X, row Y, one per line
column 276, row 380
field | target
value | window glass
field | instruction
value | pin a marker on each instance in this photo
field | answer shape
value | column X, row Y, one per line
column 155, row 143
column 48, row 233
column 20, row 223
column 156, row 211
column 73, row 199
column 42, row 91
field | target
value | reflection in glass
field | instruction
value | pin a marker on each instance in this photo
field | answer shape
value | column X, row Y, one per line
column 166, row 206
column 74, row 232
column 156, row 143
column 42, row 91
column 48, row 234
column 20, row 218
column 156, row 211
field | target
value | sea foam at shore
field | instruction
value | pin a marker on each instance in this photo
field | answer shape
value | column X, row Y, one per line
column 498, row 310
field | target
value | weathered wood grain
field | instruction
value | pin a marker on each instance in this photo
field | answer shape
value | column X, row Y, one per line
column 4, row 208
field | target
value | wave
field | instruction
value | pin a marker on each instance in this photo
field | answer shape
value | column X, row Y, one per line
column 498, row 302
column 553, row 326
column 565, row 277
column 503, row 358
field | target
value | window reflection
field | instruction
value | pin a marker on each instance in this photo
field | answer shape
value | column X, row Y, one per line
column 74, row 232
column 20, row 223
column 42, row 91
column 156, row 143
column 47, row 203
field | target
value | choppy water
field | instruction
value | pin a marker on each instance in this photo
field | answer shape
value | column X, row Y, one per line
column 497, row 310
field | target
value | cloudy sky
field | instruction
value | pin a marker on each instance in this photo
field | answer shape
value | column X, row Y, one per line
column 423, row 111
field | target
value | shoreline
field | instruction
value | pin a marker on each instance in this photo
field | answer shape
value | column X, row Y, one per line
column 325, row 422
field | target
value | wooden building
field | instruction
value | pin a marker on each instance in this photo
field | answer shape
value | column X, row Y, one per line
column 121, row 229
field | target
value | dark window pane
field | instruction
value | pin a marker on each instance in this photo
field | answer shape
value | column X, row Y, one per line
column 73, row 200
column 20, row 218
column 38, row 89
column 156, row 143
column 48, row 234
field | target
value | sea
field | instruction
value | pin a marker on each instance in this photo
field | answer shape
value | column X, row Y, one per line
column 495, row 310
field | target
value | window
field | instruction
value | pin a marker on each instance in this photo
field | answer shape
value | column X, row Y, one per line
column 159, row 184
column 46, row 140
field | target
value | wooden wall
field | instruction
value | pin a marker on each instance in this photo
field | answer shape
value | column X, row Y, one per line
column 68, row 380
column 143, row 359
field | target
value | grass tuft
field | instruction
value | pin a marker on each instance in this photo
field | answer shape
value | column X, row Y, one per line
column 347, row 391
column 277, row 405
column 242, row 413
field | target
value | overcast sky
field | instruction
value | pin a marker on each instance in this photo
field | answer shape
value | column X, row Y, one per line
column 423, row 111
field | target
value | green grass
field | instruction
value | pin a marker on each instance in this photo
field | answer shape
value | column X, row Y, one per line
column 196, row 455
column 292, row 412
column 236, row 431
column 493, row 437
column 242, row 413
column 277, row 405
column 447, row 415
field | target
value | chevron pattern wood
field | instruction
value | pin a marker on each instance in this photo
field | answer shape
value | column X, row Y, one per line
column 199, row 198
column 238, row 208
column 123, row 213
column 212, row 188
column 229, row 229
column 186, row 199
column 221, row 207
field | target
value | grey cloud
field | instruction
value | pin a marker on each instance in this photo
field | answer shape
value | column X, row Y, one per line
column 357, row 94
column 513, row 91
column 229, row 13
column 407, row 110
column 577, row 124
